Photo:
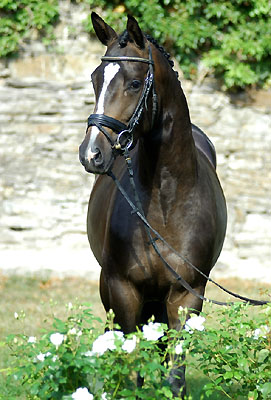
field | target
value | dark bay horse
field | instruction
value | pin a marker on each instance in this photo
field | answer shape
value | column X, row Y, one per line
column 140, row 106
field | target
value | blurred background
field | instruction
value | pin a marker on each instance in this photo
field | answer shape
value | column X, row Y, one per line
column 47, row 56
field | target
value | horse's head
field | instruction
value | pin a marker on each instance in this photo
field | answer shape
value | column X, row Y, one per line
column 123, row 86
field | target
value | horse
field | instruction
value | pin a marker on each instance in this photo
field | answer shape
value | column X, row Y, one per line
column 141, row 109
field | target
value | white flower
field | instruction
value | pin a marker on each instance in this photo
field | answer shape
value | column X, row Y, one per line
column 195, row 322
column 179, row 348
column 32, row 339
column 56, row 339
column 261, row 332
column 73, row 331
column 41, row 357
column 106, row 342
column 256, row 334
column 153, row 331
column 104, row 396
column 129, row 345
column 82, row 394
column 70, row 306
column 16, row 316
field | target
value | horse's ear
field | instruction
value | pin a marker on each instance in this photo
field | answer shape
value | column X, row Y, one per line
column 103, row 31
column 135, row 32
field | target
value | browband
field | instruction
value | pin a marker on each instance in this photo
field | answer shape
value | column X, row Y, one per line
column 137, row 59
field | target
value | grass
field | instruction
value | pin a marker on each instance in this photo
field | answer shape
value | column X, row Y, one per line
column 42, row 300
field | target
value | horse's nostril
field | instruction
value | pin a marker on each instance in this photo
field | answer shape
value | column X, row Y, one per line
column 98, row 158
column 97, row 155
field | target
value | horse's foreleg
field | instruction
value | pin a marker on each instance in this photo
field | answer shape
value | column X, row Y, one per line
column 123, row 298
column 174, row 301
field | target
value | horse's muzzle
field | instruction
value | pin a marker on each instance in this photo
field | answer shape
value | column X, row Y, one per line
column 94, row 162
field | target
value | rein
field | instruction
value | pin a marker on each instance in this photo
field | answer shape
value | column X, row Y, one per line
column 122, row 145
column 138, row 210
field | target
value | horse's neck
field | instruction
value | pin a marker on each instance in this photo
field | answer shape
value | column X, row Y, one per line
column 168, row 151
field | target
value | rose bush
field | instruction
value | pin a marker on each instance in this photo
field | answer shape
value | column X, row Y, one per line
column 77, row 361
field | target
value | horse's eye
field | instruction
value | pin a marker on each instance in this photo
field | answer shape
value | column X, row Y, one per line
column 135, row 85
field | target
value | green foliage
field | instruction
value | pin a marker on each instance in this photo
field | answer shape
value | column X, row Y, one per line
column 19, row 18
column 230, row 348
column 235, row 353
column 232, row 38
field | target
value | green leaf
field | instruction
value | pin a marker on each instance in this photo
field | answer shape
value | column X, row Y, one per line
column 265, row 389
column 228, row 375
column 262, row 355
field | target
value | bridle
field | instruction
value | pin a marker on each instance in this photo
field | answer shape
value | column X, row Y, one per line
column 124, row 132
column 122, row 145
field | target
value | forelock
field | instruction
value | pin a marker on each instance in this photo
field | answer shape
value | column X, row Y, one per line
column 124, row 38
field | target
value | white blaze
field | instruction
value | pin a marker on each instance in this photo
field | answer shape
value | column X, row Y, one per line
column 110, row 72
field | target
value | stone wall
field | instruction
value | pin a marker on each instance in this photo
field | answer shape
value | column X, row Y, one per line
column 242, row 137
column 45, row 98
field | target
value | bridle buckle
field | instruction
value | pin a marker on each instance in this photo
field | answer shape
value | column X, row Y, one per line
column 127, row 135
